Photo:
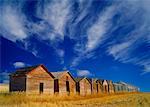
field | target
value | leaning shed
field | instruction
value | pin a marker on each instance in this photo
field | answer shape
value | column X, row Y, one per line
column 83, row 86
column 64, row 83
column 35, row 79
column 105, row 86
column 110, row 86
column 97, row 86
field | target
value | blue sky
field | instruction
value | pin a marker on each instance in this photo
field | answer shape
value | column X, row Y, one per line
column 108, row 39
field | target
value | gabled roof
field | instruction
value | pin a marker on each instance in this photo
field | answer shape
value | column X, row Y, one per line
column 121, row 82
column 109, row 81
column 118, row 84
column 89, row 79
column 97, row 80
column 106, row 81
column 126, row 84
column 59, row 74
column 80, row 78
column 25, row 70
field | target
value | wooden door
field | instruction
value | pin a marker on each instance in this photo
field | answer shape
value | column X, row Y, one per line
column 41, row 87
column 67, row 86
column 56, row 86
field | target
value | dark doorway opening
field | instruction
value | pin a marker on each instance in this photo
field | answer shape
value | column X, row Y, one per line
column 67, row 86
column 56, row 86
column 78, row 87
column 97, row 87
column 41, row 87
column 108, row 89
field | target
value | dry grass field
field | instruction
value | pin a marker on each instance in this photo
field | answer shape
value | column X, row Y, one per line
column 113, row 100
column 4, row 88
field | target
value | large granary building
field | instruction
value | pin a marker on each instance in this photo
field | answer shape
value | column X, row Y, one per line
column 33, row 79
column 37, row 79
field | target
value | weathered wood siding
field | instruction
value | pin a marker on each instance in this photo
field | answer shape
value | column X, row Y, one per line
column 85, row 87
column 100, row 87
column 37, row 76
column 111, row 87
column 17, row 83
column 105, row 87
column 63, row 87
column 116, row 88
column 96, row 87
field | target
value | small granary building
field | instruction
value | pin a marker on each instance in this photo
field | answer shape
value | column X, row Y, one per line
column 116, row 87
column 110, row 86
column 64, row 83
column 83, row 86
column 124, row 86
column 131, row 88
column 105, row 86
column 97, row 86
column 35, row 79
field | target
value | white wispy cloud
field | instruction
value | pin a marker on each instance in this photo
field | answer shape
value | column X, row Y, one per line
column 76, row 61
column 96, row 33
column 81, row 57
column 12, row 22
column 144, row 63
column 61, row 54
column 34, row 52
column 57, row 13
column 95, row 36
column 125, row 50
column 83, row 73
column 83, row 11
column 119, row 50
column 122, row 47
column 19, row 64
column 146, row 69
column 12, row 26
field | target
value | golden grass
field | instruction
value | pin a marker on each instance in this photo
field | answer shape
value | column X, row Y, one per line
column 45, row 100
column 4, row 88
